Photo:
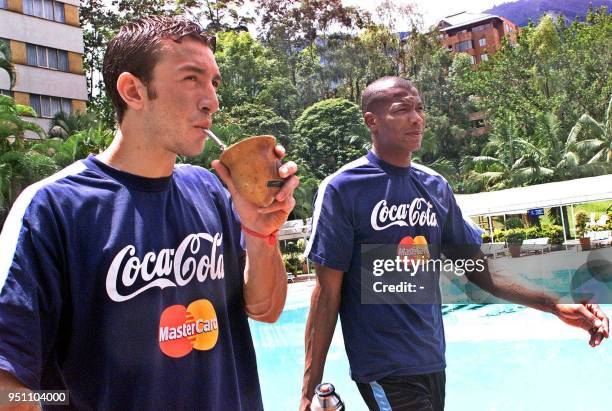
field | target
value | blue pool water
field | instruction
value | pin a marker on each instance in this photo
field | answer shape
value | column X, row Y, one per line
column 500, row 357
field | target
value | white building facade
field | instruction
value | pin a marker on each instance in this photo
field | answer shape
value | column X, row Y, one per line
column 46, row 43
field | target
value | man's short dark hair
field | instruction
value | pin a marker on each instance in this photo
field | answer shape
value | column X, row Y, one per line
column 136, row 50
column 375, row 94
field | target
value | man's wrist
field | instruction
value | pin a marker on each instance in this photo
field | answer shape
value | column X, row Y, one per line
column 270, row 238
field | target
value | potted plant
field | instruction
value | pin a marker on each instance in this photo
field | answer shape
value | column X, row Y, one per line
column 515, row 238
column 581, row 220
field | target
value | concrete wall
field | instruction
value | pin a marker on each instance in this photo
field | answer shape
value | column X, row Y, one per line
column 49, row 82
column 39, row 31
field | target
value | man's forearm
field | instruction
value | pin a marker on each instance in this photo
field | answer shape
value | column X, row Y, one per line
column 512, row 289
column 320, row 327
column 265, row 280
column 8, row 383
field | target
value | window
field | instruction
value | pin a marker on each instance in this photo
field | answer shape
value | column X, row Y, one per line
column 31, row 55
column 59, row 11
column 46, row 9
column 63, row 60
column 463, row 45
column 478, row 123
column 66, row 105
column 481, row 27
column 41, row 53
column 47, row 57
column 52, row 58
column 473, row 59
column 484, row 57
column 506, row 28
column 482, row 42
column 46, row 106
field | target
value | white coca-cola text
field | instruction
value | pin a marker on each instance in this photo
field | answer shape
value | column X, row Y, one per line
column 167, row 268
column 419, row 212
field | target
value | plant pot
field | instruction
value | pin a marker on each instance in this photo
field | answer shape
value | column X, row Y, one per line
column 585, row 243
column 515, row 250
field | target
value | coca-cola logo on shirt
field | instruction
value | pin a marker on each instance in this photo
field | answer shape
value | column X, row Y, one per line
column 167, row 268
column 419, row 212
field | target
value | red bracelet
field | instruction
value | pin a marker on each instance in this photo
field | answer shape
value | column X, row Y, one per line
column 271, row 237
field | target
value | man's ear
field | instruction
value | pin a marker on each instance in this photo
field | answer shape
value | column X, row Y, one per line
column 370, row 121
column 131, row 90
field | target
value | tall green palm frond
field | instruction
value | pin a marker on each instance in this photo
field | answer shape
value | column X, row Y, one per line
column 599, row 146
column 5, row 63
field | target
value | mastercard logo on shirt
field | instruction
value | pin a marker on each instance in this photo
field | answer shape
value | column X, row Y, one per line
column 412, row 249
column 183, row 329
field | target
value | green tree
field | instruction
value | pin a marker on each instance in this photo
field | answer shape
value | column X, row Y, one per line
column 65, row 124
column 327, row 135
column 5, row 62
column 100, row 22
column 12, row 125
column 77, row 146
column 507, row 160
column 18, row 165
column 381, row 49
column 290, row 26
column 256, row 120
column 246, row 67
column 304, row 197
column 281, row 96
column 600, row 142
column 219, row 15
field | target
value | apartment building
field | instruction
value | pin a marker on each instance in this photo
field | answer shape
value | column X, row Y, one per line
column 478, row 35
column 46, row 43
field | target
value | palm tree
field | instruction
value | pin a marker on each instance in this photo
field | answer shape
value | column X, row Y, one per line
column 79, row 145
column 11, row 124
column 66, row 124
column 507, row 160
column 563, row 154
column 5, row 62
column 601, row 144
column 18, row 167
column 430, row 146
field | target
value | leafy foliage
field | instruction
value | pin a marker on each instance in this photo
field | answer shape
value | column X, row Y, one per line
column 327, row 135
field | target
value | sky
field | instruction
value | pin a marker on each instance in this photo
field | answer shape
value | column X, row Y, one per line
column 433, row 10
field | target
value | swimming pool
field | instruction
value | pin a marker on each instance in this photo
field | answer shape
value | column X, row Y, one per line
column 500, row 357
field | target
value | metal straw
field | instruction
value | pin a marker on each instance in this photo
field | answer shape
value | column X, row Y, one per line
column 216, row 139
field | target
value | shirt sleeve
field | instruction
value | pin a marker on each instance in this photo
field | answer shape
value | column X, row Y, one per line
column 30, row 291
column 332, row 237
column 461, row 238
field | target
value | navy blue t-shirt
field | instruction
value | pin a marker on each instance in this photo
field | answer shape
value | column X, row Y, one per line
column 127, row 291
column 370, row 201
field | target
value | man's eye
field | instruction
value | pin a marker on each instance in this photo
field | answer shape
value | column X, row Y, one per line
column 191, row 78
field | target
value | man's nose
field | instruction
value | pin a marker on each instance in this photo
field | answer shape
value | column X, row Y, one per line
column 414, row 117
column 209, row 102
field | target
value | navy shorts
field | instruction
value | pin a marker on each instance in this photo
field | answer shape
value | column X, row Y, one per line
column 410, row 393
